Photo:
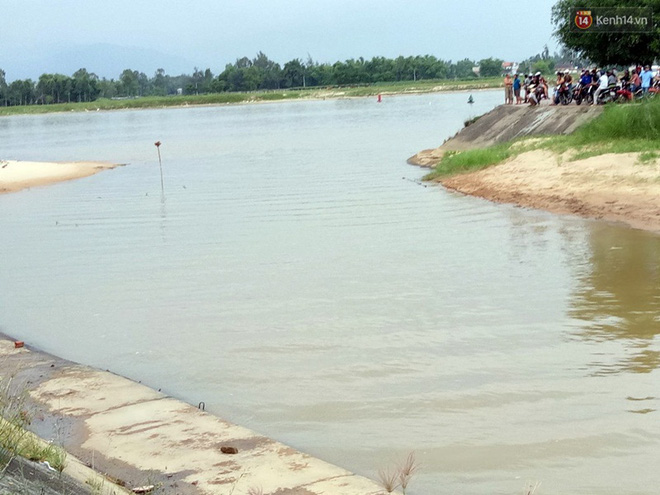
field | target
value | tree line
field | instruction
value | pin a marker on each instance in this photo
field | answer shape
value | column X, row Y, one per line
column 258, row 73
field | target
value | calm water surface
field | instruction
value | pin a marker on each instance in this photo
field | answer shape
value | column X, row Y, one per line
column 298, row 279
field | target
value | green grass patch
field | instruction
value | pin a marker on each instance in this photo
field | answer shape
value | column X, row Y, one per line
column 15, row 440
column 648, row 156
column 468, row 161
column 627, row 121
column 625, row 128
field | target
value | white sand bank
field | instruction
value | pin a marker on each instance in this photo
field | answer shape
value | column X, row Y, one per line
column 16, row 175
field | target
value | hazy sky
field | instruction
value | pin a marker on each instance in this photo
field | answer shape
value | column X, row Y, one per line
column 211, row 33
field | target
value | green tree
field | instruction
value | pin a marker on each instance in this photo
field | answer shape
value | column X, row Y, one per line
column 4, row 89
column 54, row 88
column 159, row 83
column 108, row 88
column 462, row 69
column 542, row 66
column 129, row 85
column 318, row 74
column 85, row 86
column 293, row 74
column 490, row 67
column 608, row 48
column 380, row 69
column 200, row 82
column 21, row 92
column 265, row 73
column 144, row 85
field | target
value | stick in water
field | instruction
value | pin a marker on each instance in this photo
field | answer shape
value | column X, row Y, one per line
column 160, row 163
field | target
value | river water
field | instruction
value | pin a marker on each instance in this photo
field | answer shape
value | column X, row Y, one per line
column 298, row 279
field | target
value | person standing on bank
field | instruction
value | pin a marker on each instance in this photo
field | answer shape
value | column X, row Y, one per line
column 508, row 90
column 646, row 76
column 516, row 89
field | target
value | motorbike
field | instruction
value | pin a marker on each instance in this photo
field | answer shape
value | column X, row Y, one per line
column 625, row 93
column 607, row 95
column 535, row 94
column 564, row 94
column 583, row 93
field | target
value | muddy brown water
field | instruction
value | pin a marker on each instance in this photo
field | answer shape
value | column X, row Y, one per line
column 299, row 280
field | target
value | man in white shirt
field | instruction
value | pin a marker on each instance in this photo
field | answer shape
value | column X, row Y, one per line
column 602, row 86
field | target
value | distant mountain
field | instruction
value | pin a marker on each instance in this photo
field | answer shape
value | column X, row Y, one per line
column 105, row 60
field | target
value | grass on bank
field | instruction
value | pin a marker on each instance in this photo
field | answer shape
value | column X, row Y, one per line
column 401, row 87
column 626, row 128
column 15, row 440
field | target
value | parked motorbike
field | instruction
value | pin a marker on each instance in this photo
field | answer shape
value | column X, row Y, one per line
column 583, row 93
column 607, row 95
column 625, row 93
column 535, row 95
column 564, row 94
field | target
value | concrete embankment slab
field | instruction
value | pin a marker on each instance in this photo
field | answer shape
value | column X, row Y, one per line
column 508, row 122
column 142, row 437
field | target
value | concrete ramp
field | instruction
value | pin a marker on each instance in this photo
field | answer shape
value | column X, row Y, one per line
column 508, row 122
column 145, row 439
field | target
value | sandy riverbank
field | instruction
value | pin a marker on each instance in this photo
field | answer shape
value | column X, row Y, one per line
column 16, row 175
column 613, row 187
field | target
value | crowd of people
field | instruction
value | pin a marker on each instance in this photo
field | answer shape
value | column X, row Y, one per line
column 591, row 85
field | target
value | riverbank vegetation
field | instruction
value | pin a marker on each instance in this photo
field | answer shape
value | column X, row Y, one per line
column 15, row 440
column 402, row 87
column 619, row 129
column 245, row 75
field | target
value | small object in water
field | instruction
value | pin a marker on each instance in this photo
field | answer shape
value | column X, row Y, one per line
column 18, row 344
column 379, row 98
column 229, row 450
column 470, row 99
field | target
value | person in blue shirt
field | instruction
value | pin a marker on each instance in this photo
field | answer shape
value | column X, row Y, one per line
column 585, row 82
column 516, row 89
column 646, row 76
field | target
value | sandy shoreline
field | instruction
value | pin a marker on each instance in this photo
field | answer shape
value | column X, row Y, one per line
column 16, row 175
column 611, row 187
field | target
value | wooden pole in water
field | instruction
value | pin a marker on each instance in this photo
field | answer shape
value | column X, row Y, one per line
column 160, row 164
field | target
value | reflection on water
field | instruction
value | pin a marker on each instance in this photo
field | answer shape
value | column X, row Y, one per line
column 617, row 297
